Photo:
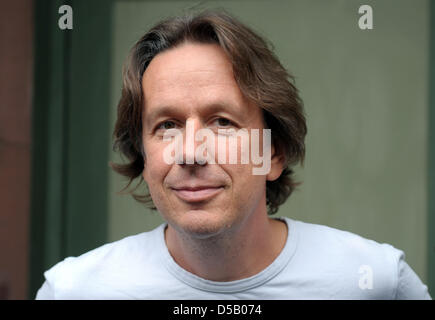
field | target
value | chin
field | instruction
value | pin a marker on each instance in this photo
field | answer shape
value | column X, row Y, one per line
column 201, row 224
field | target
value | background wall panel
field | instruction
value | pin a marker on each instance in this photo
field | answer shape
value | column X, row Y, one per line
column 16, row 21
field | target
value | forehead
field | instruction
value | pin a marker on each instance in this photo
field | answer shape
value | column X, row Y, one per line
column 189, row 72
column 191, row 62
column 195, row 79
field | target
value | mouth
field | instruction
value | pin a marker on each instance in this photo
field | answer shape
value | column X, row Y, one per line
column 197, row 194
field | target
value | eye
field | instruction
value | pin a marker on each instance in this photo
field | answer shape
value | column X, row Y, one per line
column 223, row 122
column 166, row 125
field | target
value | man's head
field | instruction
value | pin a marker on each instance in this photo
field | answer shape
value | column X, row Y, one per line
column 214, row 72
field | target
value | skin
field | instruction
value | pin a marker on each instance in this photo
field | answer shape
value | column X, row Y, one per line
column 229, row 235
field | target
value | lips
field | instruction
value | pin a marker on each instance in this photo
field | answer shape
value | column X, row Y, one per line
column 198, row 193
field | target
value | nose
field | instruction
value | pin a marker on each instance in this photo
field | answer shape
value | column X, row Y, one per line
column 190, row 143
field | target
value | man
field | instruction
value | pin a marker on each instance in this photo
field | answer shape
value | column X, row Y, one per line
column 212, row 75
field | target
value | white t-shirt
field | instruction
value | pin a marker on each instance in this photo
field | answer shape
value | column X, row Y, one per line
column 317, row 262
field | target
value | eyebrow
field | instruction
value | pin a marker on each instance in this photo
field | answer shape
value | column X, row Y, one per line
column 172, row 111
column 166, row 110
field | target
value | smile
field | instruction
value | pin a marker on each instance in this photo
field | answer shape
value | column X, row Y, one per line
column 197, row 194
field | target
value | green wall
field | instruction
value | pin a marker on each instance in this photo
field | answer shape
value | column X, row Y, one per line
column 69, row 135
column 431, row 157
column 366, row 99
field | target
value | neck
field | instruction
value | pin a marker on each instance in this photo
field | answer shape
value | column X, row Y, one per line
column 236, row 254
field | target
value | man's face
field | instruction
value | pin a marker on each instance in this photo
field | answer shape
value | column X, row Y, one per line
column 195, row 83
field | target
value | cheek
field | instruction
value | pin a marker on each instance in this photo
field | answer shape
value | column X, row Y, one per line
column 244, row 182
column 248, row 190
column 155, row 168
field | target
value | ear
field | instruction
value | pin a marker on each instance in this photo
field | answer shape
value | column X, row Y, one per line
column 276, row 165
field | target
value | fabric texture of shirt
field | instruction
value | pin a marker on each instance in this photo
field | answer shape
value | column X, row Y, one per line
column 317, row 262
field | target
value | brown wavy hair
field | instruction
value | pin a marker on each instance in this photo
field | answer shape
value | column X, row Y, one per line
column 257, row 71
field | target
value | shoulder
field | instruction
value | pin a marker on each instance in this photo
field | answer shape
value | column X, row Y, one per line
column 341, row 243
column 98, row 267
column 373, row 270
